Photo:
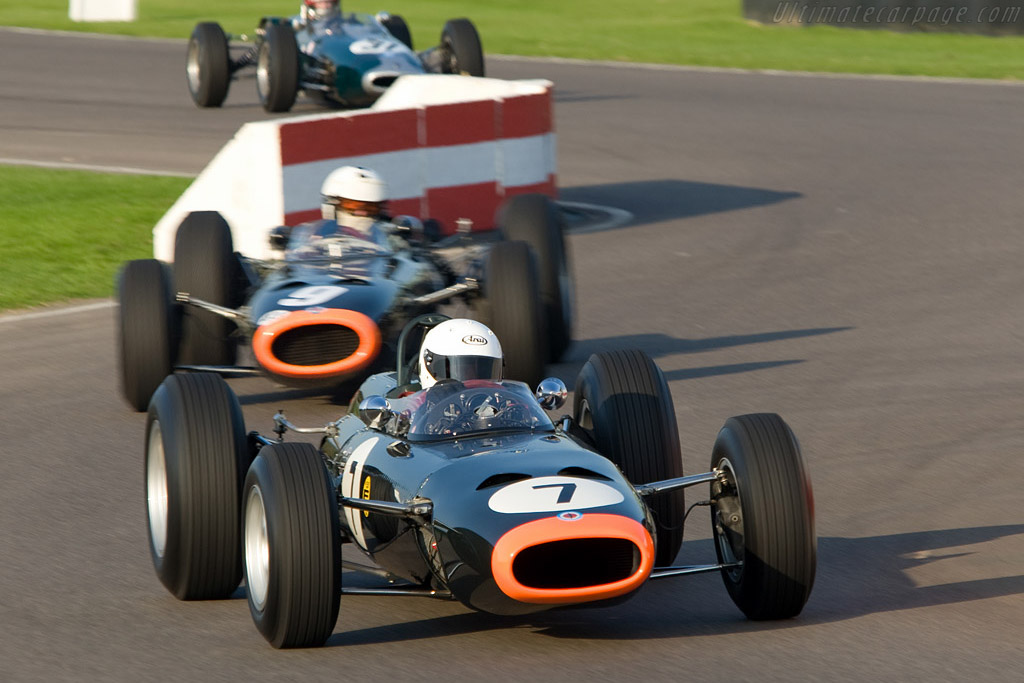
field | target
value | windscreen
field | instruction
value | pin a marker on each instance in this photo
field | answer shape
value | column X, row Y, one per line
column 452, row 409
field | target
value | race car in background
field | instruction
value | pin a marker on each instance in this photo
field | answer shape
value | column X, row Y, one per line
column 330, row 311
column 467, row 491
column 347, row 59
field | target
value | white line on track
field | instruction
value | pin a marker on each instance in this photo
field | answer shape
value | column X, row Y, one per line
column 615, row 65
column 52, row 313
column 68, row 166
column 643, row 66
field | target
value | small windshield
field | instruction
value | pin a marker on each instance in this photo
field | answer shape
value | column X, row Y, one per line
column 452, row 409
column 328, row 241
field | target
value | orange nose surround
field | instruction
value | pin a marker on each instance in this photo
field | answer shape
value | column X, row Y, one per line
column 329, row 342
column 572, row 558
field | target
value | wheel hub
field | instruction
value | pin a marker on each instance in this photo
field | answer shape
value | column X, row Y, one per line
column 156, row 490
column 257, row 549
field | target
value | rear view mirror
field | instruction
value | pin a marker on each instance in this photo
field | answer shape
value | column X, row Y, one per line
column 375, row 411
column 551, row 393
column 279, row 237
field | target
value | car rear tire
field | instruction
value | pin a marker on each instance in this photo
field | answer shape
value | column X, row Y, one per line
column 208, row 65
column 534, row 219
column 277, row 68
column 462, row 49
column 195, row 459
column 623, row 406
column 513, row 310
column 148, row 331
column 397, row 27
column 292, row 546
column 206, row 267
column 762, row 513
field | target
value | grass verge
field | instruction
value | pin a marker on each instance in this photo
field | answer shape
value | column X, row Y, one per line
column 698, row 32
column 65, row 234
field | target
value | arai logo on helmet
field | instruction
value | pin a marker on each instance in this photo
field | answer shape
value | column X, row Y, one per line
column 475, row 340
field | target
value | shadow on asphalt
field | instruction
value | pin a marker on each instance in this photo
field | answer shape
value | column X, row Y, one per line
column 654, row 201
column 856, row 577
column 661, row 345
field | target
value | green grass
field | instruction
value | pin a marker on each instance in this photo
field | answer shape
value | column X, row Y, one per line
column 700, row 32
column 65, row 234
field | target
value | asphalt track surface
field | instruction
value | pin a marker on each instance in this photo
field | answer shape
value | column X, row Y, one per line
column 845, row 252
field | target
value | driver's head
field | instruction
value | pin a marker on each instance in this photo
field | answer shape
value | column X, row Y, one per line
column 353, row 192
column 459, row 349
column 318, row 9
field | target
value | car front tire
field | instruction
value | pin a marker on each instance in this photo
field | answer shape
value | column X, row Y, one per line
column 208, row 65
column 462, row 49
column 762, row 514
column 206, row 267
column 291, row 546
column 195, row 457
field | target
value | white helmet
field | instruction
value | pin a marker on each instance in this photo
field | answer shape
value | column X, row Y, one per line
column 355, row 190
column 459, row 349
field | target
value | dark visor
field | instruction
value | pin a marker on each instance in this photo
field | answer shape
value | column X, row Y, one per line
column 463, row 367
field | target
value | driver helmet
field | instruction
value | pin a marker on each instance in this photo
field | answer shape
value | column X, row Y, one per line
column 459, row 349
column 320, row 9
column 354, row 195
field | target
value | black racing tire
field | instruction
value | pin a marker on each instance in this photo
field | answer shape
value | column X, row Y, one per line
column 762, row 516
column 623, row 405
column 277, row 68
column 463, row 53
column 291, row 546
column 208, row 65
column 536, row 220
column 512, row 308
column 205, row 266
column 196, row 455
column 397, row 27
column 148, row 333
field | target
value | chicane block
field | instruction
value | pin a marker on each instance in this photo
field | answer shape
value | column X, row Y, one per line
column 449, row 147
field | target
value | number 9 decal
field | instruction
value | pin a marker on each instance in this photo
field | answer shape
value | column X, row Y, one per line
column 304, row 297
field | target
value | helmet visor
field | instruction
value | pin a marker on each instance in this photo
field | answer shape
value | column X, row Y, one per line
column 463, row 368
column 357, row 207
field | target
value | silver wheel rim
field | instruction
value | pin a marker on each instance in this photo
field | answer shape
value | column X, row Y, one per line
column 156, row 490
column 263, row 72
column 731, row 550
column 192, row 68
column 257, row 549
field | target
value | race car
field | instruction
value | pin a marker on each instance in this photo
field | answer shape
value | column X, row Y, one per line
column 467, row 491
column 329, row 311
column 347, row 59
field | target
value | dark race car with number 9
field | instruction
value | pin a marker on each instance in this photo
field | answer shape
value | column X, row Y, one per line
column 347, row 59
column 467, row 491
column 329, row 312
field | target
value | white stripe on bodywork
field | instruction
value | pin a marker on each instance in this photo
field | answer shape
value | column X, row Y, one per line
column 351, row 487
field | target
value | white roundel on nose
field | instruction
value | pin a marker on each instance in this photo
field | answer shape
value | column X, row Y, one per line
column 553, row 494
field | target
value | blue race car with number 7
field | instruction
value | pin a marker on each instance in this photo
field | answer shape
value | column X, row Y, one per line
column 446, row 480
column 335, row 58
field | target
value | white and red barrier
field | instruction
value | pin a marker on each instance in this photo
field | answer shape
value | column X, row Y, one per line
column 450, row 147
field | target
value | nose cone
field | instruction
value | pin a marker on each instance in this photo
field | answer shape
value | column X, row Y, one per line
column 571, row 558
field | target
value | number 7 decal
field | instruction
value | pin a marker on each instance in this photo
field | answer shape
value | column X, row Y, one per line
column 565, row 496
